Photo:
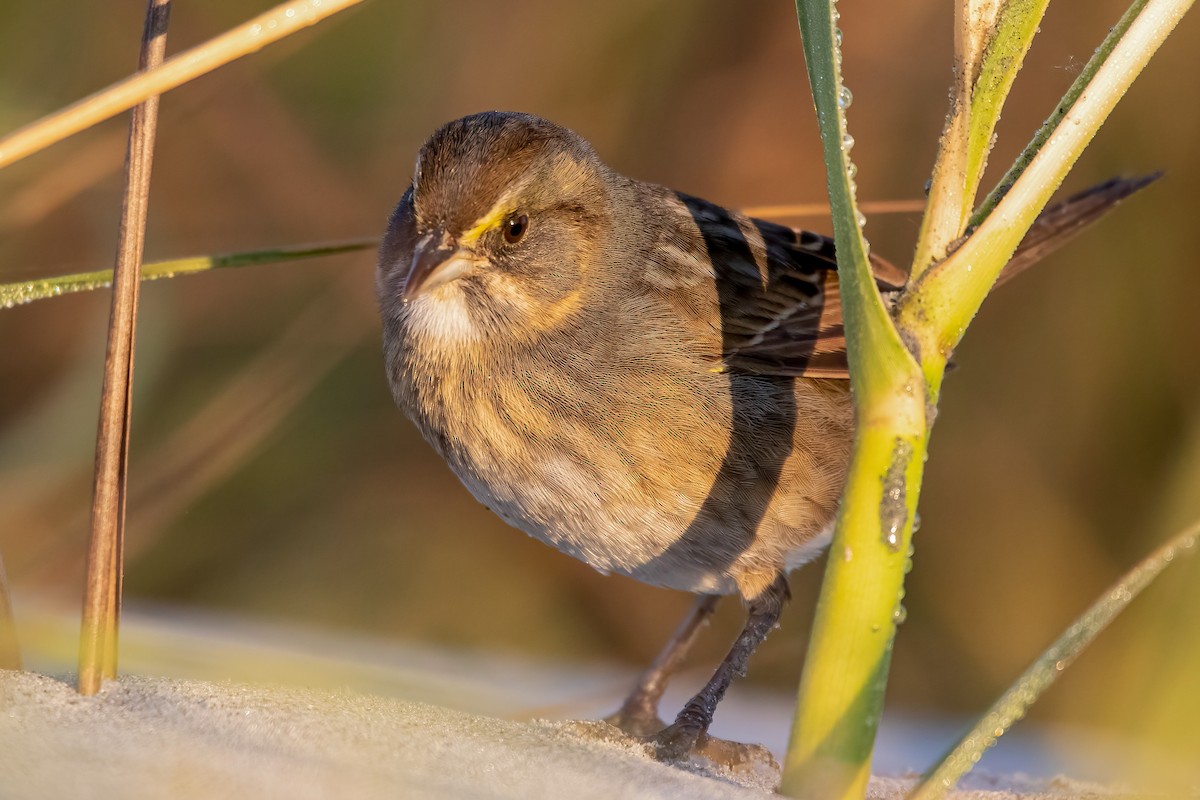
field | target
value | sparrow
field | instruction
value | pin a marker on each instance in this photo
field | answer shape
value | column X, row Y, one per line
column 647, row 381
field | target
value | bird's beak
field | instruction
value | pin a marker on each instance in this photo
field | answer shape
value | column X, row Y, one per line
column 437, row 260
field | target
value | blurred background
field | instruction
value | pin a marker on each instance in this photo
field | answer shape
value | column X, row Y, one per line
column 273, row 480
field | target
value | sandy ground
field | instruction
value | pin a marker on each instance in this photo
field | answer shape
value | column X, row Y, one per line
column 214, row 707
column 155, row 737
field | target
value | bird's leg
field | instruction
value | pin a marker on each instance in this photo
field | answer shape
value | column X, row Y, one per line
column 691, row 726
column 638, row 715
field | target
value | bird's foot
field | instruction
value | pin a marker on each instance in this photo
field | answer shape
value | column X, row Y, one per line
column 679, row 740
column 679, row 743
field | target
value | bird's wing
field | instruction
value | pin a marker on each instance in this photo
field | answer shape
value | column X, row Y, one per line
column 779, row 304
column 777, row 288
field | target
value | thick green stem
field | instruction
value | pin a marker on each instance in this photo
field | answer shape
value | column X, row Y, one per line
column 842, row 687
column 845, row 671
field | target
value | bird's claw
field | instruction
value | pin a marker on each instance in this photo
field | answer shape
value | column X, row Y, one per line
column 678, row 741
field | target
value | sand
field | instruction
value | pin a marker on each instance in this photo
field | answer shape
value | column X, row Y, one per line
column 144, row 737
column 212, row 706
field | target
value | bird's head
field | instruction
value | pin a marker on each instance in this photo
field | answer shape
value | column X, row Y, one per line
column 506, row 216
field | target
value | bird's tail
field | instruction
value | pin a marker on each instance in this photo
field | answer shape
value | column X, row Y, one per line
column 1055, row 226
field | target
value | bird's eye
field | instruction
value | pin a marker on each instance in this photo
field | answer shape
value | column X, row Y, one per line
column 515, row 227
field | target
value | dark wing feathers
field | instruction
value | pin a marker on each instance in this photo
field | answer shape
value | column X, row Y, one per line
column 780, row 305
column 780, row 308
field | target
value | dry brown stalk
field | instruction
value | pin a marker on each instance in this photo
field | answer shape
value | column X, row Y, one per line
column 102, row 588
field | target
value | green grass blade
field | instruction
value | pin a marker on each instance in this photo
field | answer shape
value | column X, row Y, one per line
column 871, row 336
column 1013, row 704
column 1068, row 100
column 14, row 294
column 1016, row 25
column 937, row 309
column 990, row 48
column 845, row 672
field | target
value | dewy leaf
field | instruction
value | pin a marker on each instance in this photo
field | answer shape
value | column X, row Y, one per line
column 974, row 25
column 861, row 298
column 1013, row 704
column 845, row 672
column 14, row 294
column 991, row 40
column 1012, row 35
column 1068, row 100
column 941, row 302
